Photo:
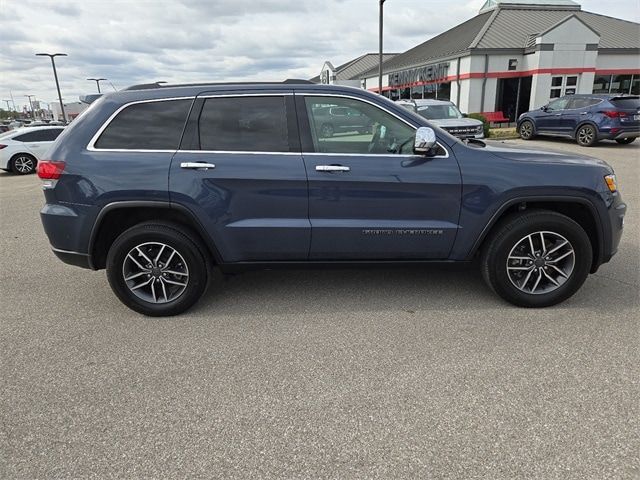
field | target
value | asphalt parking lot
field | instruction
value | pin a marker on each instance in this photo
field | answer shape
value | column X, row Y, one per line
column 392, row 373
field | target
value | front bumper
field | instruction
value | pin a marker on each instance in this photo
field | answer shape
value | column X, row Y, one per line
column 73, row 258
column 612, row 228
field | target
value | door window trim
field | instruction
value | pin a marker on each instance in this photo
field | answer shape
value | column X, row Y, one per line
column 353, row 97
column 91, row 145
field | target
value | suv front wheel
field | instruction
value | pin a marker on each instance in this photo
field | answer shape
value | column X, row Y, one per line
column 537, row 258
column 156, row 270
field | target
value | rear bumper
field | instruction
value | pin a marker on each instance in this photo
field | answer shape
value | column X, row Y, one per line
column 622, row 133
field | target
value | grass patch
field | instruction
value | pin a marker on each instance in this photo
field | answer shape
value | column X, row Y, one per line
column 503, row 133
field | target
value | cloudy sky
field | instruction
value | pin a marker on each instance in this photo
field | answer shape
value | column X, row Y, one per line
column 138, row 41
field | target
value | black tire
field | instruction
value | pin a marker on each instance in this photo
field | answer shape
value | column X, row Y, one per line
column 625, row 141
column 23, row 164
column 527, row 130
column 190, row 259
column 510, row 232
column 586, row 135
column 327, row 130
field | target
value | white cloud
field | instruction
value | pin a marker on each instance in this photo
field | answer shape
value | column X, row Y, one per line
column 141, row 41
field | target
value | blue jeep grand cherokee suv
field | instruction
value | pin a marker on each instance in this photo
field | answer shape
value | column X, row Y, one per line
column 159, row 184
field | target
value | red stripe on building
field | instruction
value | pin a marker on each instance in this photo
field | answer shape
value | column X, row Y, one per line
column 512, row 74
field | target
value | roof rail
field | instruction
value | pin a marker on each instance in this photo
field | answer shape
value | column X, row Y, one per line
column 147, row 86
column 144, row 86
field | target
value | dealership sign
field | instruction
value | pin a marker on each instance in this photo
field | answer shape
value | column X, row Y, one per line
column 428, row 73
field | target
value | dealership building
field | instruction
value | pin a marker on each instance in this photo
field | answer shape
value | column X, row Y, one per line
column 515, row 55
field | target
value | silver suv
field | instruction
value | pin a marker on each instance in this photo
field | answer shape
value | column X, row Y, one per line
column 446, row 115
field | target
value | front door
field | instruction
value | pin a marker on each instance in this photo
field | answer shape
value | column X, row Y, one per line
column 370, row 198
column 240, row 171
column 550, row 119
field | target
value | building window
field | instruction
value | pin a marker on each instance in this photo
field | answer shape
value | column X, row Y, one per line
column 416, row 92
column 560, row 86
column 601, row 84
column 617, row 84
column 513, row 64
column 439, row 91
column 621, row 84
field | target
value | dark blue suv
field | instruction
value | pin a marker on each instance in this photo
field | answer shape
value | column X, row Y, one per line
column 160, row 184
column 587, row 118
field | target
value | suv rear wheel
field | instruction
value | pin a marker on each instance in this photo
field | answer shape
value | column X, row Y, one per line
column 587, row 136
column 537, row 259
column 156, row 270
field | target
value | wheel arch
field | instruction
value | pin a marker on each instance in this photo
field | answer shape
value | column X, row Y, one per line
column 22, row 152
column 579, row 209
column 582, row 124
column 116, row 217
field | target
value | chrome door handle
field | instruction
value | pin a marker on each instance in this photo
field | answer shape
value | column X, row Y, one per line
column 197, row 165
column 558, row 114
column 584, row 113
column 331, row 168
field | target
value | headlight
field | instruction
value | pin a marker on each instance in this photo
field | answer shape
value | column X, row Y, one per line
column 611, row 183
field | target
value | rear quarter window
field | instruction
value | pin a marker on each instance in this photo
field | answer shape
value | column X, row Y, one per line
column 156, row 125
column 47, row 135
column 626, row 103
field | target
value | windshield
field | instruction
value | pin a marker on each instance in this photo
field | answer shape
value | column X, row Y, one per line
column 439, row 112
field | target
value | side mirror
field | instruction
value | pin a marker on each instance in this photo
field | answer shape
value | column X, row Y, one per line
column 544, row 108
column 425, row 140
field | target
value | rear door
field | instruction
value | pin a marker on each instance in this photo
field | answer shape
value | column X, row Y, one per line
column 370, row 198
column 240, row 170
column 578, row 110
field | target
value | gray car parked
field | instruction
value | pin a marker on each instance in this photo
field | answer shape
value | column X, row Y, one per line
column 446, row 115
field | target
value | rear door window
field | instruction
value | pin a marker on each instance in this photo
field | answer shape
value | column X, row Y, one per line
column 156, row 125
column 251, row 123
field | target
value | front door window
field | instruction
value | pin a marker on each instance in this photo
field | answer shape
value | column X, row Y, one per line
column 345, row 125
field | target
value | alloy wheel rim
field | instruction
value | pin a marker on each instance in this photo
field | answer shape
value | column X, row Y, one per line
column 155, row 272
column 585, row 135
column 540, row 262
column 526, row 130
column 23, row 164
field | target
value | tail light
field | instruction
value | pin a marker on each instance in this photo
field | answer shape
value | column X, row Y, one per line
column 614, row 113
column 50, row 170
column 2, row 146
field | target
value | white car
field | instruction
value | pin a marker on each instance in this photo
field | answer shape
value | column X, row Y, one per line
column 21, row 149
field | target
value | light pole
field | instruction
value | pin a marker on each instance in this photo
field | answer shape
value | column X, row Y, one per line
column 380, row 49
column 33, row 114
column 97, row 80
column 55, row 74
